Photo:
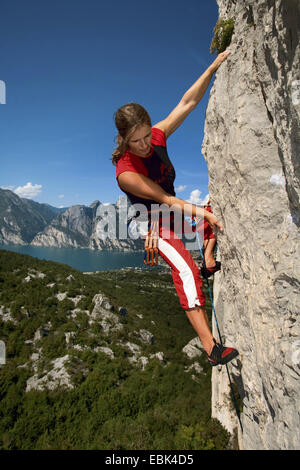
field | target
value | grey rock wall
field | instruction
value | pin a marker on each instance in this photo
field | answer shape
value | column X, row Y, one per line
column 21, row 219
column 252, row 149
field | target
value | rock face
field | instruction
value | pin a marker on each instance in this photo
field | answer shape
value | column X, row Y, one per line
column 23, row 221
column 58, row 376
column 78, row 227
column 252, row 146
column 71, row 228
column 193, row 348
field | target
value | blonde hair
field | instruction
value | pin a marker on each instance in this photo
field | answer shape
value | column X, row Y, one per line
column 128, row 118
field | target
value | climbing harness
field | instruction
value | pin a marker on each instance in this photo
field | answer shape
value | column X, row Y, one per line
column 151, row 244
column 193, row 222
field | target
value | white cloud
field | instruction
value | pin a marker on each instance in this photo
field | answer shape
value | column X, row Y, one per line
column 61, row 196
column 29, row 190
column 196, row 199
column 8, row 187
column 180, row 188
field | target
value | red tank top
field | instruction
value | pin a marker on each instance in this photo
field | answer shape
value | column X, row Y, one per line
column 157, row 166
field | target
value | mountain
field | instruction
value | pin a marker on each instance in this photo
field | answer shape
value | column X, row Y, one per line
column 252, row 148
column 23, row 221
column 99, row 361
column 80, row 226
column 56, row 210
column 71, row 228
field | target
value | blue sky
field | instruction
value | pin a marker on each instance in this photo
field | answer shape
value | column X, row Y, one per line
column 68, row 65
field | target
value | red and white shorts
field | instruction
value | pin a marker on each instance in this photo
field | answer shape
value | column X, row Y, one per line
column 185, row 272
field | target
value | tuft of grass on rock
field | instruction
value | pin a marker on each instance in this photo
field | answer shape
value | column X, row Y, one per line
column 223, row 32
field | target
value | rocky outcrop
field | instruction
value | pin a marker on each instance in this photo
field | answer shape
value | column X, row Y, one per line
column 72, row 228
column 58, row 375
column 21, row 219
column 194, row 348
column 102, row 314
column 5, row 315
column 83, row 227
column 114, row 234
column 251, row 146
column 144, row 336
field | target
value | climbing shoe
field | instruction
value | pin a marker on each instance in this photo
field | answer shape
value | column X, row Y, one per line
column 207, row 272
column 221, row 354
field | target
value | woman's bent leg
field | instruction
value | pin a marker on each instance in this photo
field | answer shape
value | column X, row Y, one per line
column 188, row 284
column 209, row 252
column 199, row 321
column 185, row 272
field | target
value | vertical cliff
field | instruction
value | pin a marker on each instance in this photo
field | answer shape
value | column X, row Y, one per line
column 252, row 149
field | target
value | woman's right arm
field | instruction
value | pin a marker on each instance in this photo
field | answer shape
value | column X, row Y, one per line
column 144, row 187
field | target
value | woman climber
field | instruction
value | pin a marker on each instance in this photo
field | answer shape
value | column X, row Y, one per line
column 145, row 173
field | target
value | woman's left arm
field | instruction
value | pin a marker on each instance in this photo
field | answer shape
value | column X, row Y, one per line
column 191, row 98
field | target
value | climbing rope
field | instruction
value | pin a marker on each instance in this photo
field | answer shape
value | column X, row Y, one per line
column 194, row 223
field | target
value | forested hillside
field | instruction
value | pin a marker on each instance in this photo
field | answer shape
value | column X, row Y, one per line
column 99, row 361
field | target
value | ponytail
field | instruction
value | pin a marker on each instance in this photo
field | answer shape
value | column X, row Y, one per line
column 120, row 149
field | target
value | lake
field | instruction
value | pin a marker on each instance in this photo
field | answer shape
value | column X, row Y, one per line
column 84, row 260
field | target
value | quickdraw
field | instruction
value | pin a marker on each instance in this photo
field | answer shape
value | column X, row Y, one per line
column 151, row 244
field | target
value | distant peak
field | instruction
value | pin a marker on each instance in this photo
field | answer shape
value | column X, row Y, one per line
column 95, row 204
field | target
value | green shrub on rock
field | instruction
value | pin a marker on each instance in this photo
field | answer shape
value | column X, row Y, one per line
column 222, row 35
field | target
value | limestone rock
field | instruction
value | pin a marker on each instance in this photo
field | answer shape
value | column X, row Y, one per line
column 108, row 351
column 58, row 376
column 193, row 348
column 140, row 361
column 69, row 336
column 71, row 228
column 76, row 299
column 101, row 301
column 40, row 333
column 146, row 336
column 5, row 314
column 61, row 296
column 23, row 221
column 196, row 367
column 134, row 348
column 33, row 275
column 102, row 314
column 159, row 355
column 251, row 145
column 21, row 218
